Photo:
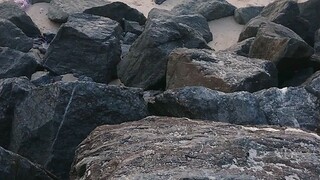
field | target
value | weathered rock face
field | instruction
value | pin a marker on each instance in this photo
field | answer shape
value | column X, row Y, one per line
column 14, row 63
column 13, row 13
column 219, row 71
column 241, row 48
column 276, row 42
column 309, row 10
column 203, row 103
column 245, row 14
column 146, row 63
column 96, row 52
column 174, row 148
column 13, row 166
column 210, row 9
column 60, row 10
column 11, row 36
column 12, row 91
column 293, row 106
column 52, row 120
column 252, row 27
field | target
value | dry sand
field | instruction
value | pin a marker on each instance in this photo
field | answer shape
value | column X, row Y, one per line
column 225, row 31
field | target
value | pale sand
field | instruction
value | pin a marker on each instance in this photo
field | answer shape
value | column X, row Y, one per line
column 225, row 31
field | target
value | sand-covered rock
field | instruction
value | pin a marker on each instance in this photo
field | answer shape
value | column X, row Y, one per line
column 179, row 148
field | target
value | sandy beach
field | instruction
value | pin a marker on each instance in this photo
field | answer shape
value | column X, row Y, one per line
column 225, row 30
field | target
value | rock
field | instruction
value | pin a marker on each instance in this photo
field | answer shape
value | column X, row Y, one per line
column 245, row 14
column 252, row 27
column 298, row 78
column 241, row 48
column 210, row 9
column 52, row 120
column 13, row 13
column 282, row 46
column 133, row 27
column 207, row 104
column 286, row 13
column 179, row 148
column 15, row 63
column 309, row 10
column 129, row 38
column 60, row 10
column 145, row 64
column 12, row 91
column 117, row 11
column 39, row 1
column 317, row 42
column 96, row 53
column 13, row 166
column 312, row 84
column 293, row 106
column 159, row 1
column 11, row 36
column 220, row 71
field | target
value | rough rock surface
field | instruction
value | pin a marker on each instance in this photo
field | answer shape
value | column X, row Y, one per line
column 60, row 10
column 13, row 166
column 210, row 9
column 245, row 14
column 309, row 10
column 11, row 36
column 52, row 120
column 293, row 106
column 13, row 13
column 172, row 148
column 14, row 63
column 12, row 91
column 252, row 27
column 241, row 48
column 96, row 52
column 221, row 71
column 145, row 64
column 207, row 104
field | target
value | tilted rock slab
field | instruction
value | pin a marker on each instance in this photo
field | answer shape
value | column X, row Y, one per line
column 145, row 64
column 221, row 71
column 52, row 120
column 86, row 45
column 178, row 148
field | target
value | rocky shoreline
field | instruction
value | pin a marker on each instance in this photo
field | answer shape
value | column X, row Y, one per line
column 114, row 94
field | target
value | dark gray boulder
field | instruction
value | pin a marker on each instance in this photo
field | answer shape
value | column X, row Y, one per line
column 12, row 91
column 210, row 9
column 317, row 42
column 14, row 63
column 13, row 13
column 11, row 36
column 145, row 64
column 159, row 1
column 220, row 71
column 52, row 120
column 132, row 27
column 252, row 27
column 179, row 148
column 60, row 10
column 293, row 106
column 309, row 10
column 245, row 14
column 207, row 104
column 241, row 48
column 86, row 45
column 13, row 166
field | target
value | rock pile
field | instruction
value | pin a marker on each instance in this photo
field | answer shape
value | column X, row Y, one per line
column 178, row 109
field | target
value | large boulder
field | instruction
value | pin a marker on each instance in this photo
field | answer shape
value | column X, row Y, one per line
column 210, row 9
column 293, row 106
column 241, row 48
column 60, row 10
column 221, row 71
column 179, row 148
column 252, row 27
column 52, row 120
column 12, row 91
column 86, row 45
column 11, row 36
column 14, row 63
column 13, row 166
column 244, row 14
column 207, row 104
column 146, row 63
column 13, row 13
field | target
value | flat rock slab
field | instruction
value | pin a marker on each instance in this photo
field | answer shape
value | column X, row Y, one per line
column 221, row 71
column 52, row 120
column 179, row 148
column 86, row 45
